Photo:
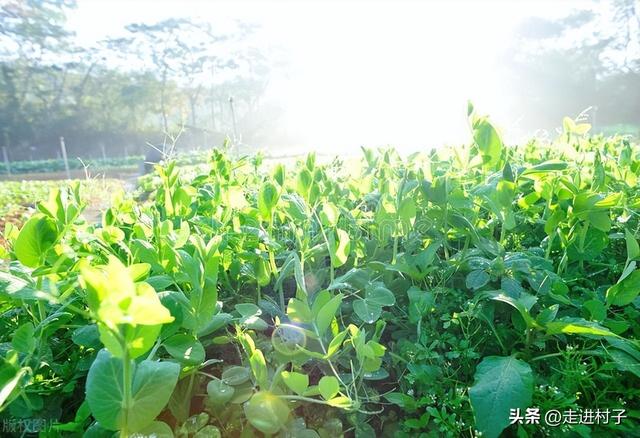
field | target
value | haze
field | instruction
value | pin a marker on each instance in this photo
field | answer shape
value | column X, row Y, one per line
column 359, row 73
column 113, row 76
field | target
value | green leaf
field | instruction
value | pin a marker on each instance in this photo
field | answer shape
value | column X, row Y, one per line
column 297, row 382
column 299, row 274
column 597, row 310
column 23, row 338
column 219, row 392
column 36, row 237
column 87, row 336
column 402, row 400
column 378, row 294
column 356, row 279
column 209, row 431
column 547, row 315
column 150, row 389
column 145, row 307
column 259, row 368
column 600, row 220
column 157, row 429
column 554, row 220
column 335, row 344
column 279, row 174
column 625, row 355
column 547, row 166
column 139, row 339
column 577, row 326
column 568, row 124
column 329, row 214
column 631, row 267
column 340, row 402
column 10, row 375
column 625, row 291
column 476, row 279
column 217, row 322
column 340, row 252
column 185, row 348
column 266, row 412
column 469, row 108
column 501, row 384
column 299, row 311
column 15, row 288
column 267, row 200
column 633, row 249
column 235, row 375
column 522, row 304
column 488, row 141
column 420, row 303
column 304, row 182
column 326, row 314
column 595, row 242
column 625, row 361
column 506, row 192
column 295, row 207
column 367, row 311
column 407, row 213
column 116, row 299
column 138, row 271
column 110, row 234
column 328, row 387
column 247, row 310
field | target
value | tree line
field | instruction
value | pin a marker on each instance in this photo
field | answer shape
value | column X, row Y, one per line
column 155, row 83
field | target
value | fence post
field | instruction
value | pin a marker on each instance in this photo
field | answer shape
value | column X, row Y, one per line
column 233, row 121
column 6, row 159
column 104, row 152
column 63, row 149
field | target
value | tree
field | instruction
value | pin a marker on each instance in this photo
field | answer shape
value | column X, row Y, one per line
column 32, row 38
column 589, row 58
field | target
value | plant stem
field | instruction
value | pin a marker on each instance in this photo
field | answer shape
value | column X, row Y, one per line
column 503, row 234
column 301, row 398
column 326, row 241
column 546, row 356
column 126, row 386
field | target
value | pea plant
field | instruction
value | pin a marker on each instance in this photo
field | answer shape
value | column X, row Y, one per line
column 421, row 295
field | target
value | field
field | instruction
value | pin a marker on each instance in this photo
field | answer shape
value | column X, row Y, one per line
column 92, row 166
column 451, row 293
column 18, row 198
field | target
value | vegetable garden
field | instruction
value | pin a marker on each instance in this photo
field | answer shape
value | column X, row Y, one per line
column 427, row 295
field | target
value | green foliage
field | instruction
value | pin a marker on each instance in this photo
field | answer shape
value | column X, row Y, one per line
column 424, row 296
column 131, row 404
column 501, row 384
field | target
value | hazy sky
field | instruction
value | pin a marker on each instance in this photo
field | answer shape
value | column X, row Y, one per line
column 375, row 72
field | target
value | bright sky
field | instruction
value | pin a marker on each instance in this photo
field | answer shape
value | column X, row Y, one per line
column 362, row 73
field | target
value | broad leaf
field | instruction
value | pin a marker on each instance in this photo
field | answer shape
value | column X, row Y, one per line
column 297, row 382
column 219, row 392
column 267, row 412
column 577, row 326
column 185, row 348
column 625, row 291
column 326, row 313
column 150, row 388
column 501, row 384
column 476, row 279
column 36, row 236
column 328, row 387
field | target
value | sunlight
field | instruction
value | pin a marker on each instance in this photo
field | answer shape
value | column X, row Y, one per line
column 370, row 73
